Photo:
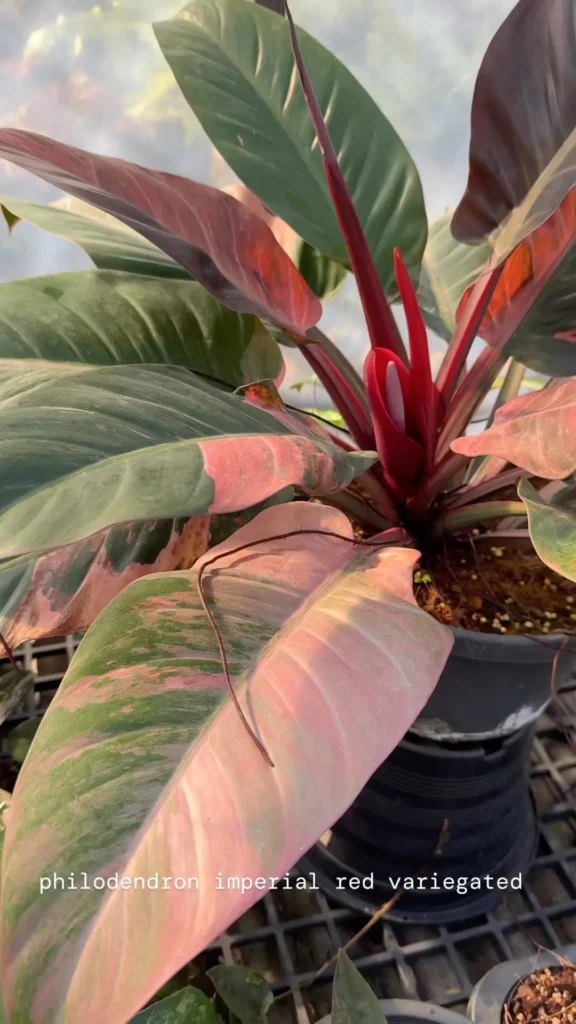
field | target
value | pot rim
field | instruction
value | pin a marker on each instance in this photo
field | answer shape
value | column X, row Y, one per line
column 495, row 988
column 507, row 640
column 413, row 1009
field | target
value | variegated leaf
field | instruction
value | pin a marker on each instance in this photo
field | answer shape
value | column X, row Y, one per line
column 228, row 249
column 536, row 432
column 142, row 765
column 64, row 590
column 84, row 448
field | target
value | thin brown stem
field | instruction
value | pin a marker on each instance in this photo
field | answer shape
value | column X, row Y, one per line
column 386, row 907
column 388, row 537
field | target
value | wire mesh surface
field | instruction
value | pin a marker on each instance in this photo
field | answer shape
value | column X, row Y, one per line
column 290, row 934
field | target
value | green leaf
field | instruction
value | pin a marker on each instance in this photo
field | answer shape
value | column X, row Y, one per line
column 19, row 739
column 85, row 448
column 14, row 686
column 143, row 766
column 246, row 993
column 234, row 64
column 109, row 243
column 108, row 317
column 324, row 276
column 353, row 1001
column 448, row 268
column 189, row 1006
column 552, row 529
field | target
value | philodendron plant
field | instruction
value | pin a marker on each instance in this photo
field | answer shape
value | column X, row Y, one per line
column 256, row 650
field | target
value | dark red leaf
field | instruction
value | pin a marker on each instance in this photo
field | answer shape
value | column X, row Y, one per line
column 522, row 117
column 228, row 249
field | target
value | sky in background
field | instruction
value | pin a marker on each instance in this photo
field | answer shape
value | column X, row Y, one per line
column 94, row 76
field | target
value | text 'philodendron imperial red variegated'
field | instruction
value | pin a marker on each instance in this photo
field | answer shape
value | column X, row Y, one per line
column 254, row 646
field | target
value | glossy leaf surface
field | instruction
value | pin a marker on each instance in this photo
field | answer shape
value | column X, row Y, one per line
column 536, row 432
column 234, row 64
column 189, row 1006
column 85, row 448
column 229, row 250
column 533, row 308
column 64, row 590
column 109, row 243
column 523, row 146
column 109, row 317
column 143, row 741
column 245, row 992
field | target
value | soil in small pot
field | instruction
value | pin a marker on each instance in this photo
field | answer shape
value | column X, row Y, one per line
column 495, row 588
column 544, row 997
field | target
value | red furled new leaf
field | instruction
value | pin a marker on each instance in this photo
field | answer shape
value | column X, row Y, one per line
column 400, row 455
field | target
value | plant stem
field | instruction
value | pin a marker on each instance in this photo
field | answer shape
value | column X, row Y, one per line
column 357, row 420
column 469, row 395
column 357, row 509
column 438, row 481
column 382, row 327
column 351, row 376
column 461, row 343
column 457, row 519
column 467, row 495
column 509, row 390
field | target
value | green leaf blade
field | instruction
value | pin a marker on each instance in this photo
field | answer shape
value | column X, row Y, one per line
column 353, row 1001
column 109, row 243
column 239, row 51
column 86, row 448
column 246, row 993
column 189, row 1006
column 116, row 318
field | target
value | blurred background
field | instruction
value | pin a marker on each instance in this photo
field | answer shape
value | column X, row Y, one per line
column 93, row 75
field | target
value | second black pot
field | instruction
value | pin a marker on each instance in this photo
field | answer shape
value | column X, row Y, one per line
column 392, row 828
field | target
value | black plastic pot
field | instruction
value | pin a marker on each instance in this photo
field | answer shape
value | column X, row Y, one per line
column 411, row 1011
column 392, row 828
column 492, row 685
column 496, row 988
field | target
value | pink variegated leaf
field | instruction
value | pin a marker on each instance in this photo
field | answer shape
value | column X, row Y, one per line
column 142, row 764
column 324, row 276
column 85, row 448
column 536, row 432
column 64, row 590
column 218, row 240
